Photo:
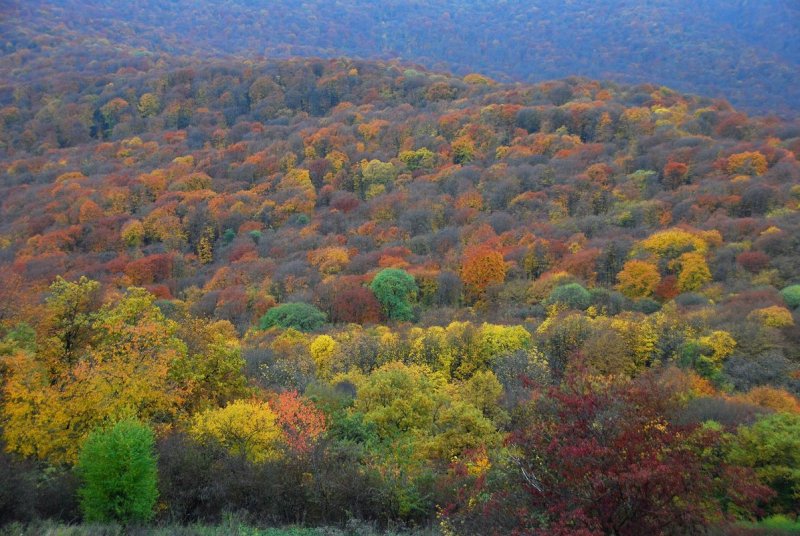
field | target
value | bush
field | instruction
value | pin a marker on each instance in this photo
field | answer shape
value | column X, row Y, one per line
column 300, row 316
column 791, row 295
column 607, row 301
column 17, row 492
column 573, row 295
column 118, row 470
column 691, row 299
column 646, row 306
column 727, row 412
column 200, row 483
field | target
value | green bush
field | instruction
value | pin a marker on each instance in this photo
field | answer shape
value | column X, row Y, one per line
column 791, row 295
column 300, row 316
column 573, row 295
column 118, row 470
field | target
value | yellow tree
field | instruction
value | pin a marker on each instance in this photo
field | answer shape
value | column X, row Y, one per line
column 747, row 163
column 638, row 279
column 323, row 349
column 100, row 366
column 132, row 233
column 694, row 272
column 247, row 428
column 296, row 194
column 212, row 371
column 671, row 243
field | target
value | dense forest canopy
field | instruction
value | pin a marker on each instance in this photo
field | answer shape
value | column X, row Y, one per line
column 748, row 52
column 361, row 293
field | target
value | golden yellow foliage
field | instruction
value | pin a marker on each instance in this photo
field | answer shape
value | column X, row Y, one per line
column 774, row 316
column 721, row 344
column 323, row 349
column 638, row 279
column 132, row 233
column 329, row 260
column 694, row 272
column 479, row 79
column 747, row 163
column 773, row 398
column 671, row 243
column 245, row 428
column 54, row 400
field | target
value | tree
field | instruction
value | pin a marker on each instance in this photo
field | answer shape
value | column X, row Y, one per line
column 330, row 260
column 675, row 174
column 638, row 279
column 399, row 398
column 70, row 310
column 205, row 246
column 773, row 398
column 671, row 243
column 774, row 316
column 481, row 268
column 132, row 233
column 694, row 272
column 149, row 105
column 300, row 316
column 355, row 305
column 246, row 428
column 322, row 350
column 573, row 295
column 753, row 261
column 747, row 163
column 463, row 150
column 377, row 172
column 395, row 289
column 300, row 420
column 791, row 295
column 295, row 194
column 51, row 406
column 412, row 403
column 771, row 446
column 420, row 159
column 213, row 365
column 118, row 470
column 593, row 458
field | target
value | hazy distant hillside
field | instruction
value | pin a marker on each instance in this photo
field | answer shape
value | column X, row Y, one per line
column 748, row 52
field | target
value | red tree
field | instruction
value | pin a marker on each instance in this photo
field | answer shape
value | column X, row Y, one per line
column 605, row 460
column 302, row 423
column 356, row 305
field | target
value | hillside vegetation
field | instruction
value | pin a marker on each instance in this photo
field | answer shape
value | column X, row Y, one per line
column 312, row 291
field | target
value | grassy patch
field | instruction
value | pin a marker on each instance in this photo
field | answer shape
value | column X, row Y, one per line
column 230, row 527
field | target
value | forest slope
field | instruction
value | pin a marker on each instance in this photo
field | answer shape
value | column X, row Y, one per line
column 748, row 52
column 419, row 298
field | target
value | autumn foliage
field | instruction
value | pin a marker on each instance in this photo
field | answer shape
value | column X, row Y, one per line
column 338, row 289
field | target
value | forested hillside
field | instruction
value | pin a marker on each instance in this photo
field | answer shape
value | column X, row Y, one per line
column 745, row 51
column 333, row 290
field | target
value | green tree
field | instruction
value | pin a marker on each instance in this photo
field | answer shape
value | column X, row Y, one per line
column 395, row 289
column 573, row 295
column 791, row 295
column 118, row 469
column 771, row 446
column 420, row 159
column 300, row 316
